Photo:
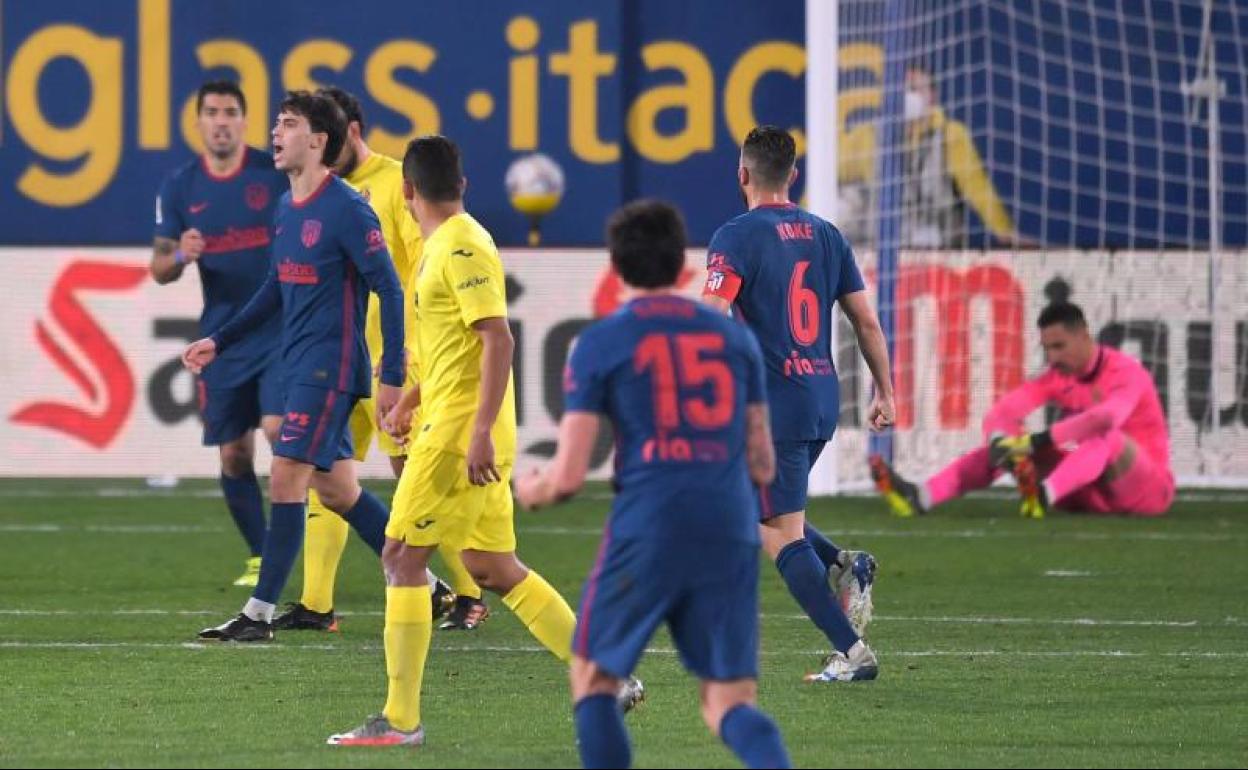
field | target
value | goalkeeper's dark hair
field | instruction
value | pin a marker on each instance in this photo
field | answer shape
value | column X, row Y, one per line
column 221, row 88
column 769, row 153
column 1067, row 314
column 647, row 243
column 324, row 117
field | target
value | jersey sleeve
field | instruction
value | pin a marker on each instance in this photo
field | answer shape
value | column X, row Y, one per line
column 360, row 236
column 726, row 268
column 584, row 386
column 475, row 277
column 169, row 222
column 1007, row 414
column 850, row 278
column 1124, row 390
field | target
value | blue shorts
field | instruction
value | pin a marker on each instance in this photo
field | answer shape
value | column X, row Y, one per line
column 316, row 426
column 787, row 494
column 706, row 593
column 230, row 413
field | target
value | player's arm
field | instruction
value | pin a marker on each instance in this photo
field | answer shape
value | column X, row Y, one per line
column 366, row 247
column 174, row 246
column 565, row 475
column 724, row 272
column 760, row 452
column 1005, row 417
column 263, row 304
column 1120, row 401
column 584, row 400
column 874, row 349
column 398, row 423
column 497, row 347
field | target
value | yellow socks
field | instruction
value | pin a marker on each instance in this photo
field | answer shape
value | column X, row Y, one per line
column 408, row 630
column 323, row 543
column 544, row 612
column 461, row 581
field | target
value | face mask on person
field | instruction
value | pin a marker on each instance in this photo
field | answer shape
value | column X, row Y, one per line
column 916, row 105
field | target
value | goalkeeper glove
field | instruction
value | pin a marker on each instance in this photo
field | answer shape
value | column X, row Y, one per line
column 1003, row 449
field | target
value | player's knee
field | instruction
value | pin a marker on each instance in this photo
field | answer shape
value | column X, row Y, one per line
column 237, row 459
column 339, row 500
column 718, row 698
column 588, row 679
column 495, row 572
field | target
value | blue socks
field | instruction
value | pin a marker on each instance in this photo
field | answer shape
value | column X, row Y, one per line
column 243, row 498
column 825, row 549
column 600, row 733
column 753, row 737
column 281, row 547
column 369, row 517
column 807, row 580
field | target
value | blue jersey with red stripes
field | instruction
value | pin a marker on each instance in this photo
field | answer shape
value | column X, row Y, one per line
column 674, row 377
column 782, row 268
column 328, row 253
column 234, row 214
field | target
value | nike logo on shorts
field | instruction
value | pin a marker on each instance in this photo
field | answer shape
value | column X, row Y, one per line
column 198, row 207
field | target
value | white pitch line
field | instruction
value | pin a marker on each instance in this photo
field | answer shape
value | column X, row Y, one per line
column 1232, row 622
column 277, row 647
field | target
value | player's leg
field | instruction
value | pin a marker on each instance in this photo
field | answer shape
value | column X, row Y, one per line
column 230, row 416
column 326, row 536
column 489, row 553
column 601, row 736
column 967, row 473
column 443, row 594
column 429, row 504
column 1083, row 466
column 714, row 626
column 408, row 630
column 1131, row 484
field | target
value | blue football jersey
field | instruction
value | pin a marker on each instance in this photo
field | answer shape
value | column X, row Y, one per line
column 674, row 378
column 782, row 268
column 328, row 253
column 235, row 215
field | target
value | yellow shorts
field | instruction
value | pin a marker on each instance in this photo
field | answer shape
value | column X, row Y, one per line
column 435, row 504
column 364, row 427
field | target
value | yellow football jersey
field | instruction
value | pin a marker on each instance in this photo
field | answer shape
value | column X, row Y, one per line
column 380, row 180
column 459, row 282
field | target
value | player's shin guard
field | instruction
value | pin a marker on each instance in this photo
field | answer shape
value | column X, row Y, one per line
column 461, row 580
column 323, row 544
column 600, row 732
column 368, row 517
column 544, row 612
column 246, row 504
column 807, row 580
column 281, row 547
column 408, row 629
column 753, row 737
column 825, row 549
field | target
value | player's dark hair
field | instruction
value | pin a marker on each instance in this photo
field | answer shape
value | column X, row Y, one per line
column 647, row 243
column 434, row 167
column 769, row 154
column 223, row 88
column 346, row 102
column 324, row 117
column 1067, row 314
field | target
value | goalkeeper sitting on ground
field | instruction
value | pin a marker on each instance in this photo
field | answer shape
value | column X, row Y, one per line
column 1109, row 452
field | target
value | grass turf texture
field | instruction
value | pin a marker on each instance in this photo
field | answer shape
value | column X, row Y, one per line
column 104, row 584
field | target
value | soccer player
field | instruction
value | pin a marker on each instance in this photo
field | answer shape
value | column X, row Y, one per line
column 327, row 254
column 454, row 487
column 1109, row 452
column 379, row 180
column 216, row 212
column 684, row 390
column 779, row 269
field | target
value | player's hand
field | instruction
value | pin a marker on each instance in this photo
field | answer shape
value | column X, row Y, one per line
column 1003, row 449
column 481, row 468
column 881, row 413
column 528, row 490
column 199, row 354
column 191, row 244
column 387, row 399
column 398, row 423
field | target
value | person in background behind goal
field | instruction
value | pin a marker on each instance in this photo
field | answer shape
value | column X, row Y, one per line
column 1109, row 451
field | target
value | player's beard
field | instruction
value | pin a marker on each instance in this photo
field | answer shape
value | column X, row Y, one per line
column 349, row 161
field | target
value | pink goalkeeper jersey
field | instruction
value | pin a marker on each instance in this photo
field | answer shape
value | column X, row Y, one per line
column 1116, row 392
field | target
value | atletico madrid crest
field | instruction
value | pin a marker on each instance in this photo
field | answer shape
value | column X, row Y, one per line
column 311, row 232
